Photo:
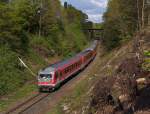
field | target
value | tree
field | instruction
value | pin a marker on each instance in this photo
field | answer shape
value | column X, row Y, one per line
column 120, row 21
column 12, row 29
column 65, row 5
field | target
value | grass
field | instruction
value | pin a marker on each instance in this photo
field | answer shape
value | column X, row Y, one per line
column 73, row 99
column 23, row 92
column 38, row 55
column 56, row 110
column 79, row 97
column 147, row 53
column 35, row 62
column 146, row 64
column 27, row 89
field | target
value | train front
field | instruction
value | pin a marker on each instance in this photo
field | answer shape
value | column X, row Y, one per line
column 46, row 79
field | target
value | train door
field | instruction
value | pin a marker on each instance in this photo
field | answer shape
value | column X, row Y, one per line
column 57, row 76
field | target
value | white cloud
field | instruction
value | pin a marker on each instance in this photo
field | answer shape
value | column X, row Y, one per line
column 95, row 17
column 99, row 3
column 93, row 8
column 91, row 11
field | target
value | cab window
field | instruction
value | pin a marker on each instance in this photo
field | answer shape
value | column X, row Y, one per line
column 49, row 76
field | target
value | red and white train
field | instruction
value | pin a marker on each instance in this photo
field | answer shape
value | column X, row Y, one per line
column 51, row 77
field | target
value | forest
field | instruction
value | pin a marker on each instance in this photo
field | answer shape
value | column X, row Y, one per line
column 122, row 19
column 36, row 31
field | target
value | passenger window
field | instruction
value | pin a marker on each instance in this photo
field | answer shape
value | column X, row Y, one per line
column 56, row 74
column 72, row 67
column 60, row 73
column 69, row 68
column 65, row 70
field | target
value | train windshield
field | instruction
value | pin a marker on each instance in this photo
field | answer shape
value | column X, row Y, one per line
column 45, row 76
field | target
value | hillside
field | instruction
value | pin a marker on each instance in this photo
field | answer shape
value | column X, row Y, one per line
column 89, row 96
column 38, row 33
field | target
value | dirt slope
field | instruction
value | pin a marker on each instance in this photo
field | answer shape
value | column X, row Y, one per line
column 122, row 82
column 120, row 67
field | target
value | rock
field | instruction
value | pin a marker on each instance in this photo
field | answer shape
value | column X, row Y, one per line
column 65, row 107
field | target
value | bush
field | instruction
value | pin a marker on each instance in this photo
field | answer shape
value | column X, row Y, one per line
column 12, row 29
column 120, row 22
column 147, row 53
column 11, row 77
column 111, row 35
column 19, row 28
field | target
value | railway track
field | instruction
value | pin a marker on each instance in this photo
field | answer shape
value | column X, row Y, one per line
column 19, row 109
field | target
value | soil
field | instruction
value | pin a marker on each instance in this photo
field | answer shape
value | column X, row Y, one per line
column 130, row 66
column 108, row 89
column 105, row 96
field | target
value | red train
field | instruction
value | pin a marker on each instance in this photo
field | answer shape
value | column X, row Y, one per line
column 51, row 77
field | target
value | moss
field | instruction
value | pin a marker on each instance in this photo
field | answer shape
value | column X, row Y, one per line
column 146, row 64
column 147, row 53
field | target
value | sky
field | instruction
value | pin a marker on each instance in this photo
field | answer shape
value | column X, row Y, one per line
column 93, row 8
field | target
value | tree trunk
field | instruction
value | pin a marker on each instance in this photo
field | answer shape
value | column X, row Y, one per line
column 138, row 12
column 143, row 8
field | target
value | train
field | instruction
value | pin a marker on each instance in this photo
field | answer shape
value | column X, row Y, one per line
column 54, row 75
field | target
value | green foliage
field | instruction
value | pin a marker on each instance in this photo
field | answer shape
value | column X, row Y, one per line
column 74, row 15
column 20, row 22
column 10, row 75
column 65, row 5
column 111, row 35
column 146, row 64
column 147, row 53
column 120, row 22
column 12, row 32
column 28, row 14
column 98, row 25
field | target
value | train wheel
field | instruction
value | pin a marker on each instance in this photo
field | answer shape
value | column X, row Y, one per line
column 40, row 90
column 52, row 89
column 57, row 86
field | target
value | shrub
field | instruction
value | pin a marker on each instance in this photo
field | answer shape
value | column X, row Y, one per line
column 11, row 76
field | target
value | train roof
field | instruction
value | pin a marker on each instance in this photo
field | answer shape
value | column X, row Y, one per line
column 93, row 46
column 47, row 70
column 83, row 52
column 52, row 67
column 61, row 63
